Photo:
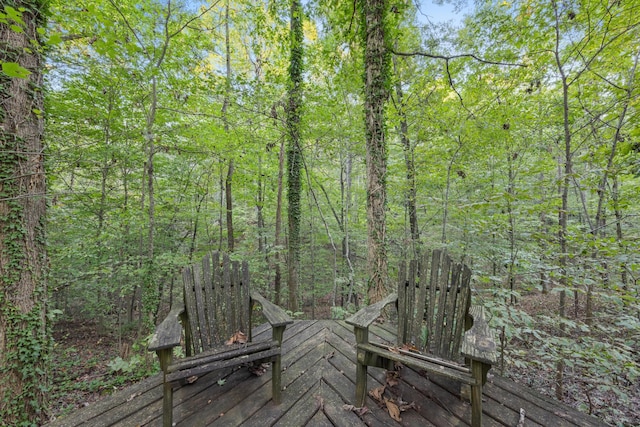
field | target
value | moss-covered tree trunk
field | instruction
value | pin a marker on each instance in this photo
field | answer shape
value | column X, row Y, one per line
column 376, row 63
column 294, row 153
column 24, row 337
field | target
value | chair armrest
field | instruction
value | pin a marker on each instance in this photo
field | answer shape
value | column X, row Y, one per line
column 478, row 342
column 169, row 332
column 275, row 315
column 367, row 315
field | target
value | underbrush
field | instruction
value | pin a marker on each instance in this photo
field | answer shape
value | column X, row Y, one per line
column 599, row 362
column 89, row 364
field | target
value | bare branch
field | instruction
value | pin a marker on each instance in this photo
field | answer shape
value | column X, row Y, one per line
column 462, row 55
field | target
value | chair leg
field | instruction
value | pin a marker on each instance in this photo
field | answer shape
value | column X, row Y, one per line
column 476, row 394
column 276, row 367
column 165, row 356
column 167, row 405
column 361, row 382
column 276, row 379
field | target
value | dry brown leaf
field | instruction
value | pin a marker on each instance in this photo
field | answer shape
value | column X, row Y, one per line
column 406, row 406
column 358, row 411
column 394, row 411
column 192, row 379
column 133, row 396
column 377, row 393
column 361, row 411
column 410, row 347
column 237, row 338
column 392, row 378
column 258, row 369
column 320, row 400
column 395, row 350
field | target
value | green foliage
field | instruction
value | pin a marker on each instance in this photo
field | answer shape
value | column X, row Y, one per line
column 485, row 138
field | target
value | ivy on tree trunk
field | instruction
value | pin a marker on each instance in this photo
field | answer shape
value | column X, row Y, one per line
column 376, row 91
column 294, row 153
column 24, row 333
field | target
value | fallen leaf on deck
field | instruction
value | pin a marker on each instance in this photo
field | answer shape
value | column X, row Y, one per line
column 192, row 379
column 377, row 393
column 258, row 369
column 404, row 406
column 359, row 411
column 237, row 338
column 394, row 411
column 320, row 402
column 410, row 347
column 392, row 378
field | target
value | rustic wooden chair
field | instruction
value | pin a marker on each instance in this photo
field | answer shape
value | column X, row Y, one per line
column 434, row 316
column 218, row 304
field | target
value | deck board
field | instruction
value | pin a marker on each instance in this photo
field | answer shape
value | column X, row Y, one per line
column 318, row 380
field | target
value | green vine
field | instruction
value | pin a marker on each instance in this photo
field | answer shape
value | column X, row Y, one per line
column 27, row 342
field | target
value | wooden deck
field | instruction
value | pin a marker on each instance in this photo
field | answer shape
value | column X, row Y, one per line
column 318, row 381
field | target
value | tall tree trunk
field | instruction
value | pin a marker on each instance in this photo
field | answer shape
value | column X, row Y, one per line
column 262, row 237
column 277, row 280
column 563, row 213
column 411, row 196
column 447, row 190
column 225, row 119
column 615, row 198
column 150, row 296
column 294, row 152
column 511, row 228
column 376, row 70
column 24, row 333
column 229, row 203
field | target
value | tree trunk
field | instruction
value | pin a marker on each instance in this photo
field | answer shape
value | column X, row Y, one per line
column 150, row 296
column 294, row 152
column 229, row 203
column 563, row 213
column 411, row 196
column 447, row 190
column 615, row 197
column 277, row 280
column 225, row 119
column 376, row 64
column 24, row 333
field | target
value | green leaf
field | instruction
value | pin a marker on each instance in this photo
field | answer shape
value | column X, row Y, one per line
column 16, row 28
column 13, row 69
column 54, row 38
column 13, row 14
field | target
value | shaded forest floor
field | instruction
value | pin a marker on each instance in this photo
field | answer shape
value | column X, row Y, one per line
column 618, row 405
column 89, row 363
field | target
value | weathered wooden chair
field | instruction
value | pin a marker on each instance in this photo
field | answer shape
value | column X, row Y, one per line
column 434, row 316
column 218, row 304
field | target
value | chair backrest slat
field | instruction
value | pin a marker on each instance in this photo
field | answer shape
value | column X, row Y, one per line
column 245, row 300
column 419, row 296
column 403, row 302
column 433, row 299
column 216, row 295
column 210, row 297
column 190, row 305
